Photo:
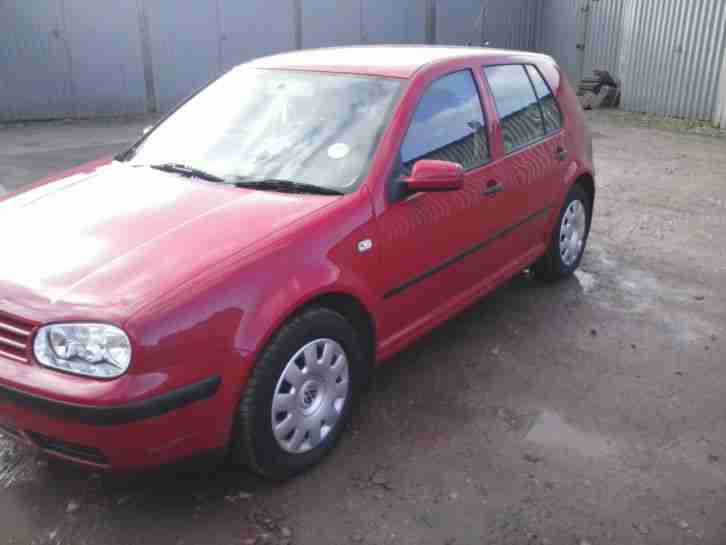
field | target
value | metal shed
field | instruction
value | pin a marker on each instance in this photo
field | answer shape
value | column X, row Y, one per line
column 673, row 57
column 74, row 58
column 669, row 54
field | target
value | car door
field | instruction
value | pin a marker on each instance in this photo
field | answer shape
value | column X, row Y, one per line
column 432, row 242
column 532, row 152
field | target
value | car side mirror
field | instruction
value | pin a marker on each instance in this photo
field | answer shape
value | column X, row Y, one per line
column 430, row 175
column 146, row 130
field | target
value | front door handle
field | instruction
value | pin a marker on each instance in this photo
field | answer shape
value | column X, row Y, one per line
column 493, row 187
column 561, row 154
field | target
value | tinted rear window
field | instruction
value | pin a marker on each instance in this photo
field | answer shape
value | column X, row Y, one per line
column 517, row 105
column 550, row 108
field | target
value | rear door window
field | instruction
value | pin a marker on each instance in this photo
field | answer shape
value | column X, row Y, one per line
column 517, row 105
column 448, row 124
column 550, row 108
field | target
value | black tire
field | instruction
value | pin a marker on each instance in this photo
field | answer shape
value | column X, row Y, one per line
column 253, row 442
column 551, row 267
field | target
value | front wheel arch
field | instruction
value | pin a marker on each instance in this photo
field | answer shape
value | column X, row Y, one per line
column 353, row 310
column 349, row 306
column 252, row 440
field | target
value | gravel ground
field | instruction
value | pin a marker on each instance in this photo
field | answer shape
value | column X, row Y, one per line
column 586, row 412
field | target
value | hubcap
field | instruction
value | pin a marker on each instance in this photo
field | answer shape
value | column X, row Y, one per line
column 310, row 395
column 572, row 232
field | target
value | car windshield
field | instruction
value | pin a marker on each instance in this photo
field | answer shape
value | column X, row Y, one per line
column 257, row 124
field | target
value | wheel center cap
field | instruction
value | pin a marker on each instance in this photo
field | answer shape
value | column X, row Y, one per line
column 311, row 395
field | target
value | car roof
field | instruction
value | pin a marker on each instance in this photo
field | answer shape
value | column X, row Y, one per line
column 399, row 61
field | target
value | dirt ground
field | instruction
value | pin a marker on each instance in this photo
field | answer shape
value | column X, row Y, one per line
column 587, row 412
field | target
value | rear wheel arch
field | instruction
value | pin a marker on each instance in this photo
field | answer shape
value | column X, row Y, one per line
column 587, row 182
column 570, row 229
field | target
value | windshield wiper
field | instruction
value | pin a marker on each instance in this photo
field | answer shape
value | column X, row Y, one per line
column 286, row 186
column 186, row 170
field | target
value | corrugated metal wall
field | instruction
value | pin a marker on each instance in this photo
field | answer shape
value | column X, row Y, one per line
column 582, row 35
column 345, row 22
column 206, row 38
column 456, row 22
column 74, row 58
column 511, row 24
column 402, row 21
column 719, row 117
column 669, row 54
column 673, row 54
column 562, row 27
column 604, row 36
column 50, row 64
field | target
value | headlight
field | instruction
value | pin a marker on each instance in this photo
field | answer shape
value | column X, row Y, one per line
column 94, row 350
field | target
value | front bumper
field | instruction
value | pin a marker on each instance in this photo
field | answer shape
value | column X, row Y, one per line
column 145, row 433
column 143, row 418
column 113, row 415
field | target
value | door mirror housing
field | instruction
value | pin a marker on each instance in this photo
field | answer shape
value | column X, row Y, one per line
column 431, row 175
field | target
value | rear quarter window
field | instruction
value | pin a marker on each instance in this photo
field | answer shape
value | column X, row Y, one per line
column 517, row 105
column 550, row 109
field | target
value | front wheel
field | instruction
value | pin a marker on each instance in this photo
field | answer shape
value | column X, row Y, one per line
column 569, row 237
column 298, row 399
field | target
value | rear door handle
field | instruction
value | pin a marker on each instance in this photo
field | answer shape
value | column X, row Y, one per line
column 561, row 154
column 493, row 187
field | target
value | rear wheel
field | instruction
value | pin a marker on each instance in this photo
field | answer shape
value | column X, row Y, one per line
column 569, row 238
column 298, row 400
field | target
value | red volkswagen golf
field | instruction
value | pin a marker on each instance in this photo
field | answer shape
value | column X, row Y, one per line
column 233, row 277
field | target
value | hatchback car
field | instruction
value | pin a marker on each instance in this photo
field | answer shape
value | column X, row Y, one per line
column 232, row 278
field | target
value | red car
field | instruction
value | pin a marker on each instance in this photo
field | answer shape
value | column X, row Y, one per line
column 233, row 277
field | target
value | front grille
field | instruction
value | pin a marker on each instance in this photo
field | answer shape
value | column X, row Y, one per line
column 72, row 450
column 14, row 338
column 51, row 445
